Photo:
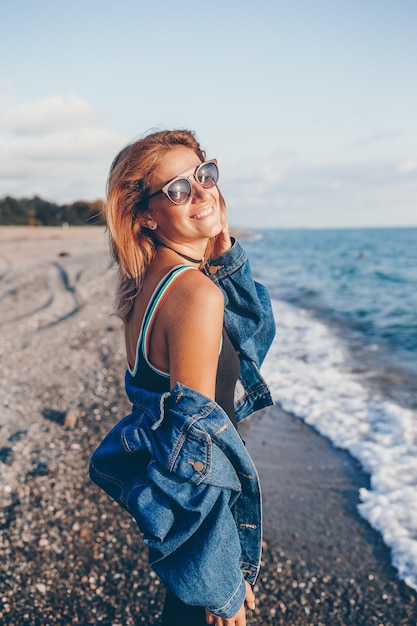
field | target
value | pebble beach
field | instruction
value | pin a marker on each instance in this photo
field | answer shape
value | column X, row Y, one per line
column 68, row 555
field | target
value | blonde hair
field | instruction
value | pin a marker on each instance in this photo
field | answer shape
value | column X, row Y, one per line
column 131, row 242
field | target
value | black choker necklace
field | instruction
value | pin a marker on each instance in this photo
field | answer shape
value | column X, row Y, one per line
column 184, row 256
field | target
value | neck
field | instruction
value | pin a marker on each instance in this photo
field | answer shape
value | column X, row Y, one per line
column 184, row 256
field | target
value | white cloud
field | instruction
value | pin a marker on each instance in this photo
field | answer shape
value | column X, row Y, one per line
column 56, row 181
column 407, row 167
column 50, row 114
column 373, row 192
column 83, row 144
column 66, row 159
column 272, row 173
column 379, row 137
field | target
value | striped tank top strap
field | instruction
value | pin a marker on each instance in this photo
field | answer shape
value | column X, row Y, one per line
column 155, row 303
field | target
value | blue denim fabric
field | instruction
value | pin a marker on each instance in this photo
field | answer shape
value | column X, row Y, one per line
column 179, row 467
column 249, row 322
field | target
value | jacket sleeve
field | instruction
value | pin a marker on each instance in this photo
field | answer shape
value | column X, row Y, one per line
column 199, row 557
column 249, row 320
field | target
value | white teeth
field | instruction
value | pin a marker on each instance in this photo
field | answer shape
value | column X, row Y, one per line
column 202, row 214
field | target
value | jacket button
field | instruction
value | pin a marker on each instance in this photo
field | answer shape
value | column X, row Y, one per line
column 213, row 269
column 198, row 466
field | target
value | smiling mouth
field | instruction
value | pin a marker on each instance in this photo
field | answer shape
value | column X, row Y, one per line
column 199, row 216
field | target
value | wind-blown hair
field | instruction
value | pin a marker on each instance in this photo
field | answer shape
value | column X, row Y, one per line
column 131, row 242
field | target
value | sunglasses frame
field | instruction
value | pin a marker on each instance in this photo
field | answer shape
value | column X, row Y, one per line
column 164, row 189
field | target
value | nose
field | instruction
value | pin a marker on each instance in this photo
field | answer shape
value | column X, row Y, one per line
column 199, row 193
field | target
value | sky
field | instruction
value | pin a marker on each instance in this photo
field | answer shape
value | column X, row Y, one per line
column 310, row 106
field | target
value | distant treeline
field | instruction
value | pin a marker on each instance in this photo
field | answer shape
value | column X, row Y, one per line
column 38, row 212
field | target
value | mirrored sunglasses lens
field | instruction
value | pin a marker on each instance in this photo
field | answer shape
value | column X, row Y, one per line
column 208, row 175
column 179, row 191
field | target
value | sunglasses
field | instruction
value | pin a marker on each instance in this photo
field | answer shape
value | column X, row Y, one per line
column 179, row 189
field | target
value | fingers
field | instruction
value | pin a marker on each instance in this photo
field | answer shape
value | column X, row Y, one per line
column 220, row 621
column 250, row 597
column 225, row 231
column 238, row 620
column 223, row 241
column 225, row 224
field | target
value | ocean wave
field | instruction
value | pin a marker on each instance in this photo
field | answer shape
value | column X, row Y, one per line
column 311, row 376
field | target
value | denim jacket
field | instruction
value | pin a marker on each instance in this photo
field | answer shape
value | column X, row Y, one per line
column 249, row 322
column 180, row 468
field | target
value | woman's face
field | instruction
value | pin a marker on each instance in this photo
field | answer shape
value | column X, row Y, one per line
column 200, row 217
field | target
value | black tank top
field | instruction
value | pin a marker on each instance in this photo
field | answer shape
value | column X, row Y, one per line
column 145, row 376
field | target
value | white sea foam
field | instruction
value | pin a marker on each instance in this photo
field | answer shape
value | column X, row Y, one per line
column 307, row 368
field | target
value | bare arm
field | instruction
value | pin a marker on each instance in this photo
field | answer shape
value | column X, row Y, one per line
column 194, row 322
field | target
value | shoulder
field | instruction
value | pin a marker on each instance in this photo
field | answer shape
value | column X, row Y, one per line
column 197, row 287
column 195, row 299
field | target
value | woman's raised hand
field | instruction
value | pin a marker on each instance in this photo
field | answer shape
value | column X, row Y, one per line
column 223, row 241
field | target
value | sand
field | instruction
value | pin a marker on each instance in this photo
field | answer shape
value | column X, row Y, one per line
column 68, row 555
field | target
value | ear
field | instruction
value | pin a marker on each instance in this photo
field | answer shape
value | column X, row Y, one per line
column 149, row 222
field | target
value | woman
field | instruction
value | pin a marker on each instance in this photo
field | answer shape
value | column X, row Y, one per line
column 193, row 338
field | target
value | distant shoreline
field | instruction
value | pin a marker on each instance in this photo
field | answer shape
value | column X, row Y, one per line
column 68, row 231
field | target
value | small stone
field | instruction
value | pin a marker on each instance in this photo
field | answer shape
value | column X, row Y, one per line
column 6, row 455
column 71, row 418
column 41, row 588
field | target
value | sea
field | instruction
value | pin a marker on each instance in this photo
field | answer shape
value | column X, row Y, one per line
column 345, row 357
